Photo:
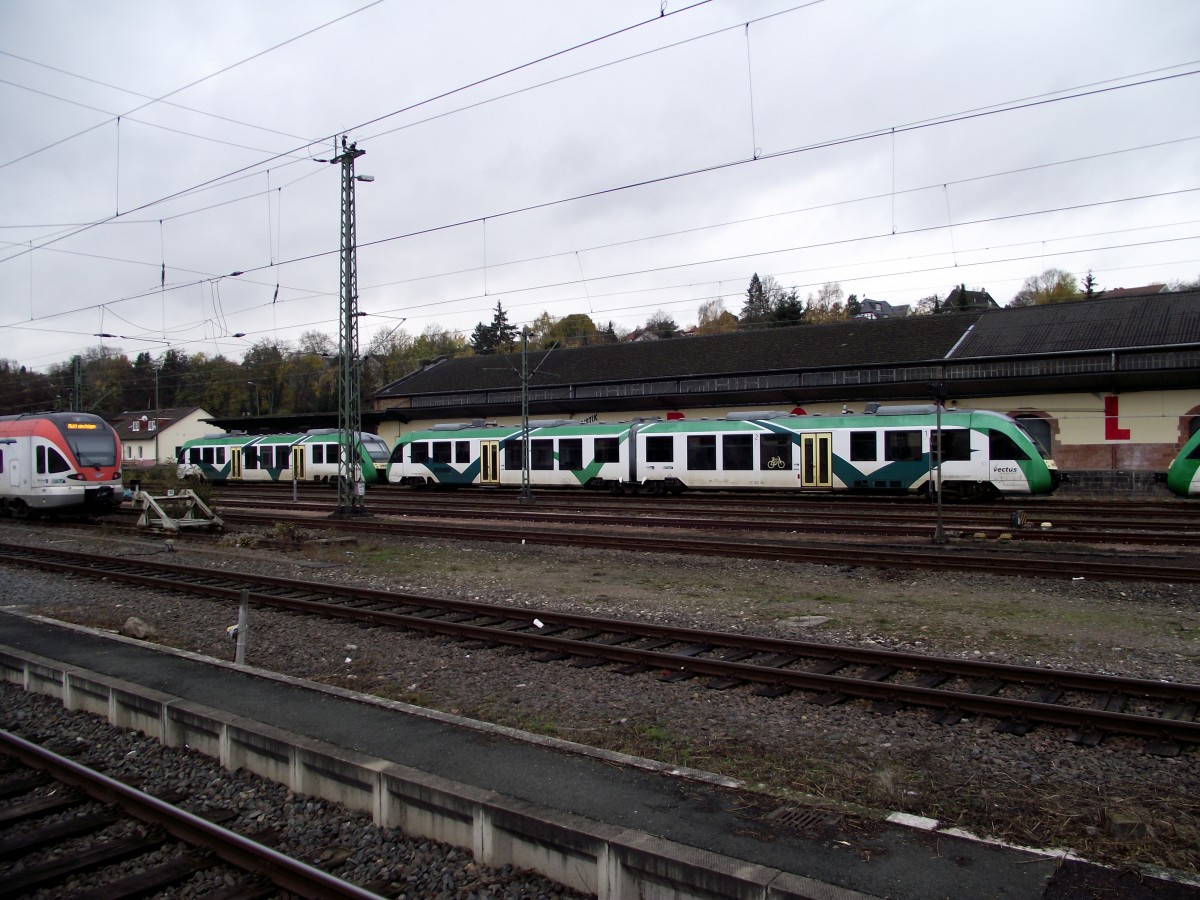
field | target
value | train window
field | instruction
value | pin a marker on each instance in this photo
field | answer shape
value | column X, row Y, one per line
column 206, row 454
column 249, row 457
column 956, row 445
column 442, row 451
column 1194, row 453
column 737, row 452
column 419, row 452
column 220, row 456
column 318, row 453
column 514, row 455
column 333, row 453
column 1038, row 430
column 899, row 445
column 607, row 450
column 775, row 451
column 40, row 453
column 702, row 451
column 1001, row 446
column 1, row 459
column 660, row 449
column 570, row 453
column 462, row 451
column 193, row 455
column 541, row 454
column 283, row 457
column 864, row 445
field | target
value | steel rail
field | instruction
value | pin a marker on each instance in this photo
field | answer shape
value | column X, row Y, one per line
column 247, row 855
column 516, row 627
column 821, row 523
column 945, row 557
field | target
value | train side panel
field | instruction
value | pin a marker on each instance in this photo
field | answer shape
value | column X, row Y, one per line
column 1183, row 477
column 886, row 450
column 568, row 454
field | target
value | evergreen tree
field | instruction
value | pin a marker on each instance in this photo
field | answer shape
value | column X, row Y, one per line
column 500, row 335
column 788, row 309
column 758, row 303
column 483, row 339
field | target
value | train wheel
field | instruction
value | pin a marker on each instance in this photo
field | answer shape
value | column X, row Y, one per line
column 19, row 509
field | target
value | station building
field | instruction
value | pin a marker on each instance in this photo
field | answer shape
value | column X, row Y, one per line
column 1111, row 385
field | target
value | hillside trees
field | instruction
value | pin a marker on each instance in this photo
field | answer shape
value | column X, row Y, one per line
column 826, row 306
column 713, row 318
column 393, row 354
column 1052, row 286
column 661, row 325
column 264, row 368
column 24, row 391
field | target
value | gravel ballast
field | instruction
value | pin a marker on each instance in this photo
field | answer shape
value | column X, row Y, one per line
column 1034, row 790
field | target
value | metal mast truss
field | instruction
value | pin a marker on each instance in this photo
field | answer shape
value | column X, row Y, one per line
column 351, row 487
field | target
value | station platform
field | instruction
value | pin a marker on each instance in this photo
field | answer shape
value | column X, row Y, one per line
column 613, row 825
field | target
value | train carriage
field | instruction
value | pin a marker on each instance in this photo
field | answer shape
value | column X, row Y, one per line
column 562, row 453
column 309, row 456
column 885, row 450
column 1183, row 477
column 57, row 462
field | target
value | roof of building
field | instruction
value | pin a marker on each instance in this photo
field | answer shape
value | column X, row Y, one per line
column 1106, row 323
column 761, row 350
column 1132, row 292
column 962, row 300
column 163, row 419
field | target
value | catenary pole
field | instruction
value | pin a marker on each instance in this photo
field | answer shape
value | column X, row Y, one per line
column 351, row 487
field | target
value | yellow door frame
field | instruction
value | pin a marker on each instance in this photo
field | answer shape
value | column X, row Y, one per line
column 816, row 459
column 489, row 462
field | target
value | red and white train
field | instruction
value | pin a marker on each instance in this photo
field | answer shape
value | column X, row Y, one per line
column 58, row 462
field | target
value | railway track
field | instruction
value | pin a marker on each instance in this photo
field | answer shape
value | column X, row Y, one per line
column 1019, row 698
column 903, row 519
column 64, row 824
column 648, row 537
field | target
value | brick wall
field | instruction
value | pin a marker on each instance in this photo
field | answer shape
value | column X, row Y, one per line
column 1113, row 483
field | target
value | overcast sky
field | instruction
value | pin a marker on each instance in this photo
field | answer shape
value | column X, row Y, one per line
column 612, row 157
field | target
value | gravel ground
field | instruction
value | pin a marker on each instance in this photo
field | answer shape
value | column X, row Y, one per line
column 1111, row 803
column 313, row 831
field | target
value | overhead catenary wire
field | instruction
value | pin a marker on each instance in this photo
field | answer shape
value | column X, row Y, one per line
column 400, row 237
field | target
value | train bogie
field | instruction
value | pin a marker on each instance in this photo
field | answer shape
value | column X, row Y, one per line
column 58, row 462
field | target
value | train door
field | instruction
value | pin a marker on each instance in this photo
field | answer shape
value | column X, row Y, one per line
column 816, row 460
column 298, row 469
column 235, row 462
column 489, row 462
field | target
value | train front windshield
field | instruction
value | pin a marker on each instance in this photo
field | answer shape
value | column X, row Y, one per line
column 1042, row 451
column 92, row 443
column 376, row 448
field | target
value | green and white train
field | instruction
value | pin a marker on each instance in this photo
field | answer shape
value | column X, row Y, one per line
column 310, row 456
column 884, row 450
column 1183, row 477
